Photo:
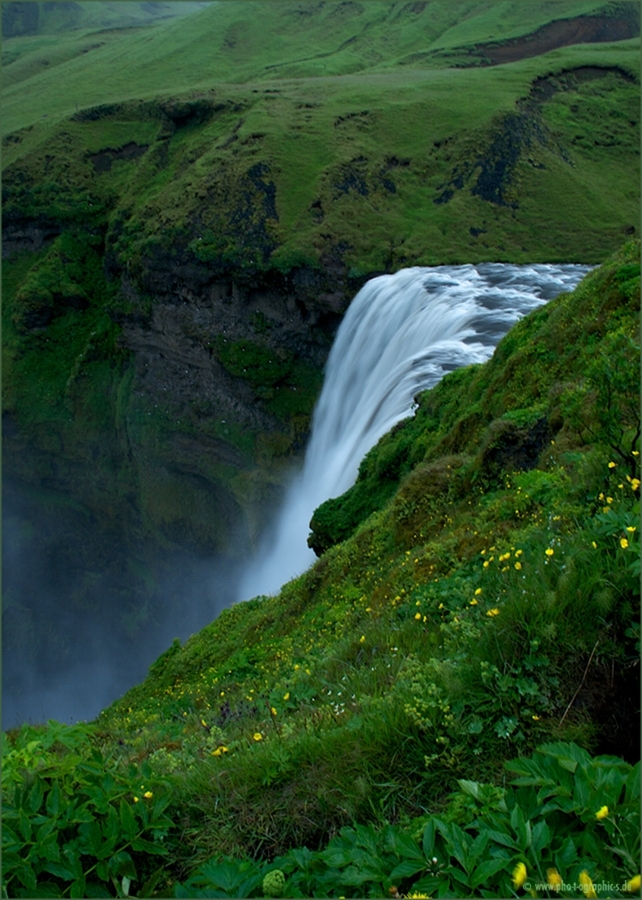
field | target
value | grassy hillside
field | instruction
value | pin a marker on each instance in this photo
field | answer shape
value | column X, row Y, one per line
column 249, row 41
column 488, row 606
column 189, row 207
column 36, row 18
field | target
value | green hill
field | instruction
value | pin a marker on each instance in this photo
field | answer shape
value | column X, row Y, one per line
column 189, row 204
column 37, row 18
column 489, row 606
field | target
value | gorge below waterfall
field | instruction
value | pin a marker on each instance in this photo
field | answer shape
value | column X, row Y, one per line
column 400, row 335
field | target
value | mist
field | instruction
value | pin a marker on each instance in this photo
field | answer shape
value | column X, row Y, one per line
column 84, row 615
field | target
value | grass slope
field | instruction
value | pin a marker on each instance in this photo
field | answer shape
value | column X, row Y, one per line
column 36, row 18
column 489, row 605
column 249, row 41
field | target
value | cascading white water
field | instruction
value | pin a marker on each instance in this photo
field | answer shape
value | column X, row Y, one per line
column 400, row 335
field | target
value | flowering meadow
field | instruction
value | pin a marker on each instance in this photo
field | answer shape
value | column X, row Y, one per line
column 445, row 705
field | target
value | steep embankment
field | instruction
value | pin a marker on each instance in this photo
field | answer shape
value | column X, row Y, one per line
column 176, row 266
column 489, row 605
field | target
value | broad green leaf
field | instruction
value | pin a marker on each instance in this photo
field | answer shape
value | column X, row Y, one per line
column 111, row 825
column 121, row 863
column 102, row 870
column 139, row 844
column 407, row 868
column 35, row 797
column 26, row 876
column 25, row 826
column 402, row 844
column 458, row 875
column 485, row 871
column 60, row 870
column 502, row 838
column 477, row 848
column 428, row 839
column 148, row 887
column 541, row 836
column 53, row 801
column 127, row 819
column 336, row 859
column 472, row 788
column 633, row 784
column 566, row 855
column 77, row 889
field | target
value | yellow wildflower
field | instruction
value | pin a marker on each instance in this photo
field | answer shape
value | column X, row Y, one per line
column 624, row 543
column 635, row 453
column 633, row 884
column 518, row 565
column 286, row 696
column 587, row 884
column 609, row 499
column 135, row 799
column 148, row 795
column 257, row 736
column 612, row 465
column 493, row 612
column 418, row 615
column 519, row 875
column 518, row 552
column 478, row 592
column 554, row 880
column 362, row 638
column 535, row 718
column 635, row 483
column 486, row 564
column 473, row 602
column 273, row 711
column 602, row 813
column 594, row 545
column 630, row 528
column 549, row 551
column 219, row 751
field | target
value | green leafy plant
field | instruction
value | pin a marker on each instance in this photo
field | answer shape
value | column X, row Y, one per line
column 74, row 823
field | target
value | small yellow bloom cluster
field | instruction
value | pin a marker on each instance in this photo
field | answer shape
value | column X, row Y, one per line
column 554, row 879
column 219, row 751
column 520, row 874
column 493, row 612
column 588, row 888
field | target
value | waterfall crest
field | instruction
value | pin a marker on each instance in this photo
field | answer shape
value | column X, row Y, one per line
column 400, row 335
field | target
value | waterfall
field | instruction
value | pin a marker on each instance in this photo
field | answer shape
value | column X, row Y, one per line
column 400, row 335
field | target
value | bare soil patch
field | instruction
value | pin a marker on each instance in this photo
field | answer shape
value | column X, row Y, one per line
column 562, row 33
